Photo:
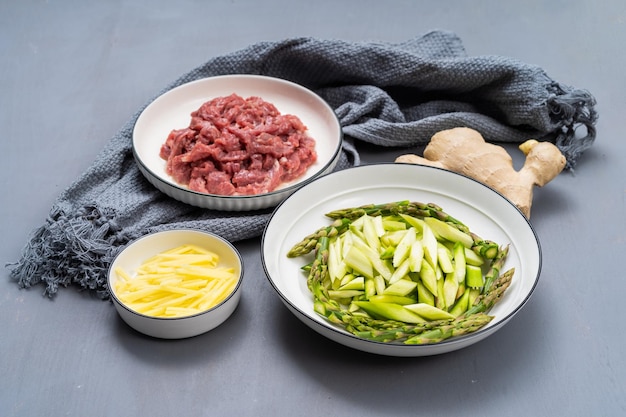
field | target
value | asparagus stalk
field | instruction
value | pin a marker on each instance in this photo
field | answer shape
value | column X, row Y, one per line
column 496, row 265
column 410, row 208
column 488, row 299
column 460, row 326
column 343, row 217
column 485, row 248
column 307, row 244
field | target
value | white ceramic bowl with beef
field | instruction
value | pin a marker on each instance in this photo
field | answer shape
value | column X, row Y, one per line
column 165, row 135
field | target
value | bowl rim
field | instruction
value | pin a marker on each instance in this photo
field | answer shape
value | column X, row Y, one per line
column 287, row 189
column 149, row 235
column 399, row 347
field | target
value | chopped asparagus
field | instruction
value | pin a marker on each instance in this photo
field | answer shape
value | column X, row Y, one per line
column 450, row 289
column 423, row 295
column 473, row 276
column 402, row 287
column 390, row 311
column 430, row 244
column 459, row 262
column 395, row 299
column 310, row 242
column 462, row 304
column 429, row 312
column 393, row 283
column 444, row 257
column 446, row 231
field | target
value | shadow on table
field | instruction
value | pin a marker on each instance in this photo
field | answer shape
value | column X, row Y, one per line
column 182, row 353
column 455, row 383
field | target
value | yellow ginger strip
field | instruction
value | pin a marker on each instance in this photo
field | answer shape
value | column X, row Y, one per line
column 190, row 259
column 194, row 283
column 177, row 282
column 173, row 280
column 199, row 249
column 178, row 290
column 212, row 273
column 142, row 307
column 217, row 295
column 159, row 309
column 207, row 292
column 138, row 293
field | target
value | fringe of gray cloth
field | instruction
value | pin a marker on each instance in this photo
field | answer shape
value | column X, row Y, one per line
column 385, row 94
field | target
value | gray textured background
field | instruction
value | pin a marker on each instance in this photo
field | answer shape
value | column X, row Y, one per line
column 73, row 72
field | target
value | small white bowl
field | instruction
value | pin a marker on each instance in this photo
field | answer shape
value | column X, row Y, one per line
column 172, row 110
column 149, row 245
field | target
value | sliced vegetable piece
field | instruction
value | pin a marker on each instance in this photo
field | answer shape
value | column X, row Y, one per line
column 444, row 257
column 440, row 300
column 395, row 299
column 377, row 221
column 424, row 295
column 370, row 233
column 344, row 294
column 346, row 278
column 473, row 296
column 459, row 262
column 472, row 258
column 389, row 311
column 428, row 311
column 336, row 266
column 380, row 284
column 402, row 287
column 416, row 255
column 357, row 260
column 449, row 232
column 429, row 241
column 373, row 257
column 401, row 272
column 387, row 252
column 450, row 288
column 428, row 277
column 370, row 287
column 393, row 225
column 473, row 276
column 357, row 283
column 413, row 221
column 403, row 249
column 462, row 304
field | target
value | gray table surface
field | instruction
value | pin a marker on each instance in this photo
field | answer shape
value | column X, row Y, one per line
column 73, row 72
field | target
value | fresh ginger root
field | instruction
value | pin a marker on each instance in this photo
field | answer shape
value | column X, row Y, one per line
column 463, row 150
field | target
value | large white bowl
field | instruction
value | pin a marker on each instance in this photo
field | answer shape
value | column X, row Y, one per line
column 483, row 210
column 149, row 245
column 172, row 110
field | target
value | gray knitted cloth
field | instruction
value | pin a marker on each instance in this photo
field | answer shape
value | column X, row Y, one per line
column 384, row 94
